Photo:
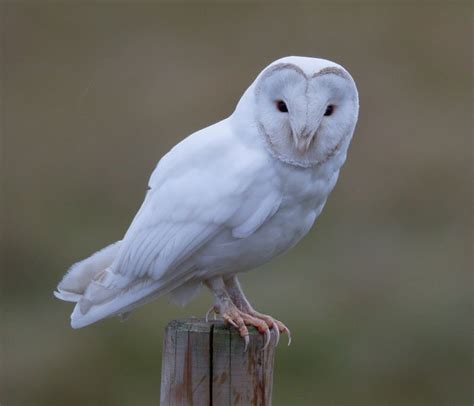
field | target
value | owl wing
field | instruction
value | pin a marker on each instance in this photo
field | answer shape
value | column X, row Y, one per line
column 199, row 189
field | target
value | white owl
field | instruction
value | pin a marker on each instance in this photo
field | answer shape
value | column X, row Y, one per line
column 227, row 199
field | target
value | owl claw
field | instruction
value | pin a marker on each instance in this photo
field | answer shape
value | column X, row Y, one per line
column 268, row 337
column 286, row 330
column 209, row 312
column 276, row 329
column 246, row 341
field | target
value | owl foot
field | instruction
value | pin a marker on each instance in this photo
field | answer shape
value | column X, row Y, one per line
column 240, row 320
column 274, row 324
column 237, row 295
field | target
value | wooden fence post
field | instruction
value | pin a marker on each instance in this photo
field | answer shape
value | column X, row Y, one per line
column 205, row 364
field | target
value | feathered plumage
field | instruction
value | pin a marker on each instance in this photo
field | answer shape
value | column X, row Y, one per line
column 227, row 198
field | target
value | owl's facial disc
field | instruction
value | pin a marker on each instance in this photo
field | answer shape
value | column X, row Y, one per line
column 305, row 117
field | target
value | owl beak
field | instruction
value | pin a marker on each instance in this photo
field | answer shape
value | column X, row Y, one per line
column 303, row 141
column 304, row 135
column 302, row 145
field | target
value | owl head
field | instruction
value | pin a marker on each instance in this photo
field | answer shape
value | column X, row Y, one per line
column 304, row 108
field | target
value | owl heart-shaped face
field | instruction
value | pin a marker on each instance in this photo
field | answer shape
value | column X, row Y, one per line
column 307, row 114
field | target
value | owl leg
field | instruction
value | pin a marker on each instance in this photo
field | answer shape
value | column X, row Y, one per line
column 238, row 297
column 233, row 315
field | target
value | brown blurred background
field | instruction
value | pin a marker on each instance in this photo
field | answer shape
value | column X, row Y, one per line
column 378, row 295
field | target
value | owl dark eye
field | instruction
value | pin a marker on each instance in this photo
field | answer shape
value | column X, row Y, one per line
column 329, row 110
column 281, row 106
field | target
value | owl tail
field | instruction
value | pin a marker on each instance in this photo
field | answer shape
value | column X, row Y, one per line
column 80, row 275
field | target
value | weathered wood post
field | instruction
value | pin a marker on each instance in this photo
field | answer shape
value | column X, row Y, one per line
column 205, row 364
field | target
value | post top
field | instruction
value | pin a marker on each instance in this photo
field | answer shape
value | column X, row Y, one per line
column 199, row 325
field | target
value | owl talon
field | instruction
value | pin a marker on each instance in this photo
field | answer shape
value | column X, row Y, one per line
column 289, row 336
column 246, row 341
column 209, row 312
column 276, row 329
column 284, row 329
column 268, row 338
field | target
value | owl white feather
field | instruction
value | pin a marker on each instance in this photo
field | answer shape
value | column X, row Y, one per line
column 228, row 198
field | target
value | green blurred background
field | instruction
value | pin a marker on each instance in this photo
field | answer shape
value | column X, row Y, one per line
column 378, row 295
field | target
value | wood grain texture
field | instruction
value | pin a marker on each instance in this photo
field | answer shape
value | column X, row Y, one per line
column 205, row 364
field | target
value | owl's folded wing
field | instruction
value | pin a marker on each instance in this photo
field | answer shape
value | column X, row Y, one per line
column 184, row 213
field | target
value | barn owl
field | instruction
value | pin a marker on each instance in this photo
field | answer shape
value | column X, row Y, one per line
column 227, row 199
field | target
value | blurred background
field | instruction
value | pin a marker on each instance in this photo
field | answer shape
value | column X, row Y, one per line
column 378, row 295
